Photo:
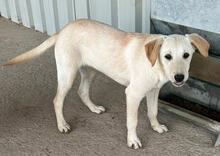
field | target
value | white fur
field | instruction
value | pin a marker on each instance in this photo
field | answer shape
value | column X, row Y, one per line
column 122, row 57
column 127, row 64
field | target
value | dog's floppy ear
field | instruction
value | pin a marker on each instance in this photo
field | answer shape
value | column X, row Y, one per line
column 152, row 49
column 199, row 43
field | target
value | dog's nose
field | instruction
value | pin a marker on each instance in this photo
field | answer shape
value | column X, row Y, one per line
column 179, row 77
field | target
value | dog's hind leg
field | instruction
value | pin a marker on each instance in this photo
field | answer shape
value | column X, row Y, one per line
column 67, row 67
column 86, row 79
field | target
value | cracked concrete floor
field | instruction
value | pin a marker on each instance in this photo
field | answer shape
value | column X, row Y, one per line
column 27, row 119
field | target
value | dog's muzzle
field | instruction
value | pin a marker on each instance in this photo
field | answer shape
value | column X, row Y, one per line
column 179, row 80
column 178, row 84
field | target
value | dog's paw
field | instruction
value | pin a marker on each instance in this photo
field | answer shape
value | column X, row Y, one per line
column 64, row 128
column 160, row 128
column 134, row 142
column 98, row 109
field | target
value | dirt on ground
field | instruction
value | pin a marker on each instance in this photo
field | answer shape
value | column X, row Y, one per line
column 28, row 123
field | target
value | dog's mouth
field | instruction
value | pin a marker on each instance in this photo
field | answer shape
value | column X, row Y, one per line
column 178, row 84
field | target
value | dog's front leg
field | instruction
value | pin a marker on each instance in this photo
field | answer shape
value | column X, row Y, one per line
column 152, row 105
column 132, row 119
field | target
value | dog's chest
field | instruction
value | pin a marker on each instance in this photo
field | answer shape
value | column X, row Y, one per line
column 154, row 80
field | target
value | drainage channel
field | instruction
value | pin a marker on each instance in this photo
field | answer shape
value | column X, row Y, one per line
column 192, row 106
column 186, row 109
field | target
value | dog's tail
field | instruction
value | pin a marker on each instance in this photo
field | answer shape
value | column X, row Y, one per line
column 34, row 52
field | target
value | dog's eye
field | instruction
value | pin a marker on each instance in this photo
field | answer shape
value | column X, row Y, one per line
column 168, row 56
column 185, row 55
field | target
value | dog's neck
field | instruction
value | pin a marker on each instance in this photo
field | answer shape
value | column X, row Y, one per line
column 162, row 78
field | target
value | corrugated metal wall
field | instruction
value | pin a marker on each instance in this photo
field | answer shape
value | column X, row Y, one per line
column 51, row 15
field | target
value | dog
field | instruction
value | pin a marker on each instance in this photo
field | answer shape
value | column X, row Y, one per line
column 141, row 62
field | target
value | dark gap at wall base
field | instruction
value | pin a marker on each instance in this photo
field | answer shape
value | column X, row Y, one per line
column 192, row 106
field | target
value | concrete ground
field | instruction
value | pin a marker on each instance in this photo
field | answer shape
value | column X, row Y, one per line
column 27, row 118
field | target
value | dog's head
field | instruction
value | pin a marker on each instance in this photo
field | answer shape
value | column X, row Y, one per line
column 174, row 52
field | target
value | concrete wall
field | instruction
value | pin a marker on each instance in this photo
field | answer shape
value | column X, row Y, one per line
column 188, row 16
column 199, row 14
